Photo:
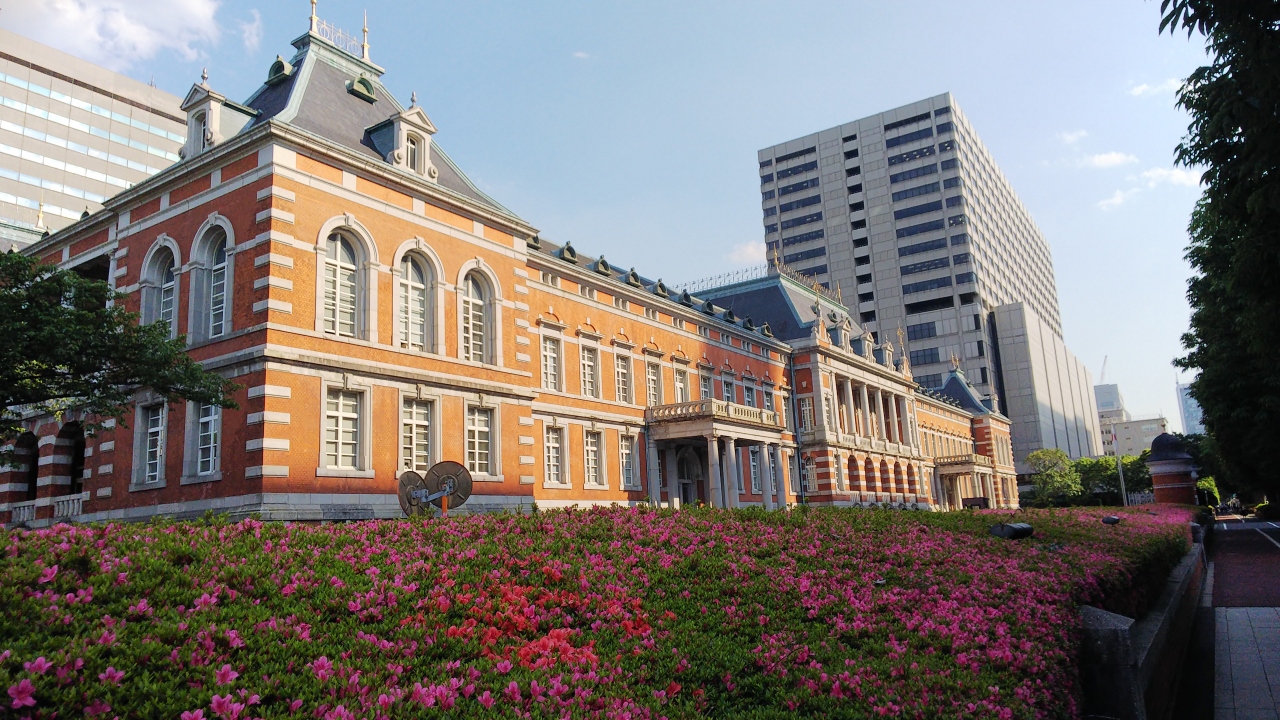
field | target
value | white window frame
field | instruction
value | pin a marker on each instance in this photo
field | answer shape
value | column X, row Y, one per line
column 550, row 279
column 809, row 469
column 219, row 288
column 748, row 395
column 623, row 387
column 477, row 316
column 494, row 455
column 652, row 313
column 589, row 366
column 628, row 464
column 754, row 454
column 411, row 429
column 653, row 384
column 340, row 407
column 153, row 429
column 208, row 438
column 806, row 414
column 682, row 385
column 706, row 387
column 728, row 392
column 593, row 460
column 767, row 393
column 621, row 303
column 415, row 320
column 587, row 291
column 560, row 478
column 338, row 294
column 552, row 363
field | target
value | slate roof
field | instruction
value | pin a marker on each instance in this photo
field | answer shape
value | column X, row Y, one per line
column 957, row 388
column 314, row 98
column 786, row 306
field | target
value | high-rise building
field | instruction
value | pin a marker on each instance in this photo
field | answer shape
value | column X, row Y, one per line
column 1192, row 417
column 1111, row 410
column 906, row 214
column 73, row 134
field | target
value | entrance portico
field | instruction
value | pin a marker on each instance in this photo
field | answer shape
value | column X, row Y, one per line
column 721, row 453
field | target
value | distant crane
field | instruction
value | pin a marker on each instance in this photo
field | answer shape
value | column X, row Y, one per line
column 1103, row 380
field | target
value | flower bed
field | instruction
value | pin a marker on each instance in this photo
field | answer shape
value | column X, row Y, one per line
column 623, row 613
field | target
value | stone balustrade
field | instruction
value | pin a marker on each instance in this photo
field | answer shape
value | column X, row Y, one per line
column 722, row 409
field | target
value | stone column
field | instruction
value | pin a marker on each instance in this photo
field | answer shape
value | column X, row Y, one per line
column 766, row 478
column 850, row 410
column 655, row 483
column 895, row 433
column 713, row 471
column 780, row 485
column 673, row 484
column 880, row 414
column 866, row 410
column 731, row 473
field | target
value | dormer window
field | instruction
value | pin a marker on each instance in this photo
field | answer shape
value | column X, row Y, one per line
column 362, row 88
column 201, row 129
column 413, row 149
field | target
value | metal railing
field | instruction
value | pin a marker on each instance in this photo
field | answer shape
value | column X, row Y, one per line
column 1142, row 498
column 714, row 409
column 338, row 37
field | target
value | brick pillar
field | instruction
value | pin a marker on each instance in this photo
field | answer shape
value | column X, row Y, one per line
column 1173, row 482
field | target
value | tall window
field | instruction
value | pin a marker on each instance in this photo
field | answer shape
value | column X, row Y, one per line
column 829, row 410
column 591, row 443
column 627, row 461
column 153, row 421
column 550, row 363
column 208, row 428
column 202, row 131
column 652, row 376
column 768, row 399
column 479, row 435
column 806, row 414
column 218, row 291
column 553, row 443
column 810, row 478
column 682, row 386
column 749, row 395
column 755, row 469
column 340, row 287
column 167, row 309
column 622, row 377
column 414, row 319
column 412, row 153
column 704, row 388
column 475, row 320
column 342, row 429
column 415, row 434
column 729, row 391
column 590, row 371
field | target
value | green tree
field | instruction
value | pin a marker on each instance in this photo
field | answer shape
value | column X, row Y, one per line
column 1234, row 135
column 1137, row 476
column 1097, row 474
column 1054, row 476
column 68, row 343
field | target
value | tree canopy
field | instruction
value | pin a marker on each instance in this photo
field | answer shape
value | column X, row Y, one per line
column 1234, row 136
column 68, row 343
column 1053, row 474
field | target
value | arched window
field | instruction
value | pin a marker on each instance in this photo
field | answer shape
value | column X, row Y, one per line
column 411, row 154
column 166, row 309
column 415, row 316
column 341, row 287
column 475, row 319
column 218, row 287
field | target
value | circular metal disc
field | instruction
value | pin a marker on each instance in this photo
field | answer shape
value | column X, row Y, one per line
column 409, row 482
column 451, row 476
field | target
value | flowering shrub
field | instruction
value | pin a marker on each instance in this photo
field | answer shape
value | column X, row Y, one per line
column 619, row 613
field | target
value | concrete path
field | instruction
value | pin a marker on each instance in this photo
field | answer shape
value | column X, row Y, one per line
column 1246, row 607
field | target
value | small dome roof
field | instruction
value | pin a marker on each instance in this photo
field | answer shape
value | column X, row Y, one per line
column 1167, row 447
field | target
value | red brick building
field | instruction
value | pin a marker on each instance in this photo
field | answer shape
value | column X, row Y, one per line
column 382, row 314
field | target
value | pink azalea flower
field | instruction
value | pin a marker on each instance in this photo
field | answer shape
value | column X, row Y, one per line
column 38, row 666
column 193, row 715
column 111, row 675
column 503, row 667
column 225, row 675
column 21, row 694
column 385, row 701
column 97, row 707
column 486, row 699
column 295, row 706
column 322, row 667
column 49, row 574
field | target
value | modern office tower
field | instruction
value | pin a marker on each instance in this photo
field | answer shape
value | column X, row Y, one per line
column 907, row 216
column 1111, row 410
column 1192, row 417
column 73, row 134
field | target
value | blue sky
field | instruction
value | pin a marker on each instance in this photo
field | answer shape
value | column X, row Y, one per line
column 631, row 129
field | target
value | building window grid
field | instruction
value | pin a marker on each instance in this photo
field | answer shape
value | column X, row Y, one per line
column 218, row 292
column 473, row 321
column 550, row 363
column 682, row 386
column 208, row 428
column 479, row 437
column 415, row 434
column 553, row 442
column 755, row 469
column 153, row 421
column 340, row 288
column 727, row 391
column 413, row 304
column 806, row 414
column 653, row 384
column 622, row 377
column 627, row 461
column 591, row 446
column 342, row 429
column 590, row 359
column 704, row 387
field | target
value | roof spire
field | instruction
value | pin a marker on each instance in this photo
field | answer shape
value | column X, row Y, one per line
column 313, row 16
column 413, row 99
column 364, row 47
column 204, row 77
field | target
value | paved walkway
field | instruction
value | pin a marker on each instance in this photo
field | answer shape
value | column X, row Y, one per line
column 1246, row 606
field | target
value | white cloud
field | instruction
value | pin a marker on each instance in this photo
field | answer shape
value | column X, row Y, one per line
column 581, row 55
column 748, row 253
column 1108, row 160
column 1116, row 200
column 1173, row 176
column 1144, row 89
column 117, row 33
column 251, row 32
column 1071, row 138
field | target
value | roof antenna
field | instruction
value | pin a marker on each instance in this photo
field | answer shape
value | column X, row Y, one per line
column 313, row 16
column 364, row 47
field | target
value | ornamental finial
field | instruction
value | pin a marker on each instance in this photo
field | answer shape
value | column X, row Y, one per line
column 364, row 46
